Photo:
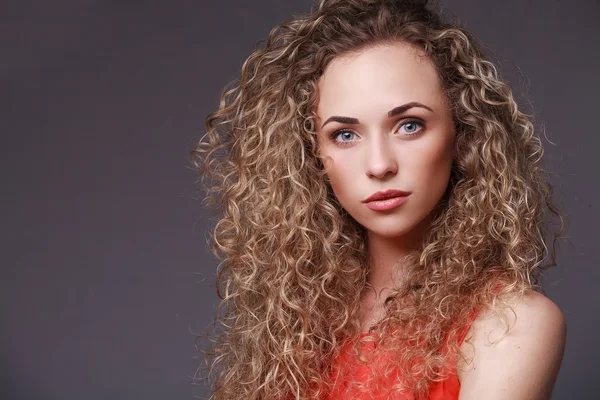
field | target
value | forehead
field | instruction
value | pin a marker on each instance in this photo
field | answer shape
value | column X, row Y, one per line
column 377, row 78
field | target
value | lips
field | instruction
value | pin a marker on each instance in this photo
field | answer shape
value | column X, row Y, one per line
column 385, row 195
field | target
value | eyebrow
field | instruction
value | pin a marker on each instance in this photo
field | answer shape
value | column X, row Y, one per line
column 395, row 111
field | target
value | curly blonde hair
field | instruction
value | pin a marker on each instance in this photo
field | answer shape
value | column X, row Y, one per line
column 293, row 263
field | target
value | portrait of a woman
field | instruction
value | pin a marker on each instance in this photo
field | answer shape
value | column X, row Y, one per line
column 382, row 216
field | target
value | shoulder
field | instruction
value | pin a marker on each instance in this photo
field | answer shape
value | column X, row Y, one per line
column 521, row 363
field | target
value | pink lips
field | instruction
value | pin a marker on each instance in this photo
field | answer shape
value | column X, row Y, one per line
column 386, row 200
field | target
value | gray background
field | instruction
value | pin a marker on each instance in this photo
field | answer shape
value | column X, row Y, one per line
column 106, row 276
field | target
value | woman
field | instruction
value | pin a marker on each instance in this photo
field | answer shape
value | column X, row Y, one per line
column 382, row 203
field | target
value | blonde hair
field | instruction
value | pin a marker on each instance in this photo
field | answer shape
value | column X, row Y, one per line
column 293, row 263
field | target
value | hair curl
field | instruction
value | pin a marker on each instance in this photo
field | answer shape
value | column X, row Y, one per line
column 293, row 263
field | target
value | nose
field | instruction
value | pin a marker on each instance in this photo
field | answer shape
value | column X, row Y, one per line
column 381, row 160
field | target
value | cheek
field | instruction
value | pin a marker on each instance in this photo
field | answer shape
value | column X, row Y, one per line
column 434, row 163
column 336, row 173
column 339, row 173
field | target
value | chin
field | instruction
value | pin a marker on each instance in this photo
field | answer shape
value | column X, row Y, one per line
column 388, row 232
column 395, row 227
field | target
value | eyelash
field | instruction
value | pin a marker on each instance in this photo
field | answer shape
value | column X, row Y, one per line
column 335, row 134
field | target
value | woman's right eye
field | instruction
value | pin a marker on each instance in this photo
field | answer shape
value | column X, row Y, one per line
column 343, row 136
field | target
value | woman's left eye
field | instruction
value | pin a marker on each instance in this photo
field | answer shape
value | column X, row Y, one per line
column 412, row 127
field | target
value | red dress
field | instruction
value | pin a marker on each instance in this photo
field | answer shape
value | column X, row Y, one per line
column 348, row 368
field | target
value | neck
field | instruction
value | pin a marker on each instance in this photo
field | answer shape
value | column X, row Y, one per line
column 385, row 267
column 386, row 270
column 386, row 273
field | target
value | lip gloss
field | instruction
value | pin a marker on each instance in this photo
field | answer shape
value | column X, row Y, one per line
column 387, row 204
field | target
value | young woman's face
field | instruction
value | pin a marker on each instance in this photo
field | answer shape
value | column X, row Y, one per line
column 384, row 124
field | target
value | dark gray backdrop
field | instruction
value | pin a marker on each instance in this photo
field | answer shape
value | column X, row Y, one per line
column 105, row 274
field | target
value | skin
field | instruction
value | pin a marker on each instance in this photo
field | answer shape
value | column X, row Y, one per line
column 369, row 151
column 521, row 365
column 410, row 151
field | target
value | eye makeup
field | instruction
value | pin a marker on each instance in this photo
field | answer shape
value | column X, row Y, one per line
column 409, row 121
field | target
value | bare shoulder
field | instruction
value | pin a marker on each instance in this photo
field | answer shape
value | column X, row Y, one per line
column 519, row 363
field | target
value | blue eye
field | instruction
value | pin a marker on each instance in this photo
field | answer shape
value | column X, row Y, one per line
column 412, row 127
column 343, row 136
